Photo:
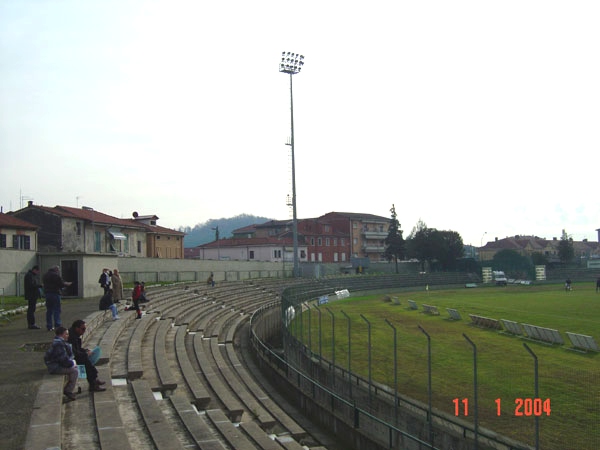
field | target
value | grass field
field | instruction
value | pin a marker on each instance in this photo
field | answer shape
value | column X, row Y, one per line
column 569, row 381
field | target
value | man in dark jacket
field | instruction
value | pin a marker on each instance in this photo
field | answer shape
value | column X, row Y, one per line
column 85, row 357
column 104, row 280
column 32, row 294
column 59, row 359
column 53, row 283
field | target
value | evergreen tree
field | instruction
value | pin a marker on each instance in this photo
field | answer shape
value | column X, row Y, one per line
column 394, row 242
column 566, row 252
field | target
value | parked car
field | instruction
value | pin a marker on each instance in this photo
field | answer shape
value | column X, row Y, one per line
column 499, row 278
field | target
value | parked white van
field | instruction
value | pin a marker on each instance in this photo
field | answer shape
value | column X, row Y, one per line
column 499, row 278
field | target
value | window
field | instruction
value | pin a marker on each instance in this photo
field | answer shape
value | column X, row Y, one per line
column 139, row 246
column 126, row 244
column 251, row 254
column 319, row 241
column 78, row 228
column 97, row 241
column 21, row 242
column 302, row 254
column 335, row 257
column 276, row 253
column 342, row 242
column 312, row 257
column 335, row 242
column 327, row 228
column 327, row 242
column 320, row 257
column 2, row 241
column 343, row 257
column 312, row 241
column 354, row 225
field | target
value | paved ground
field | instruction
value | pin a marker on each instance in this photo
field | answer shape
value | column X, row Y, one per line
column 22, row 368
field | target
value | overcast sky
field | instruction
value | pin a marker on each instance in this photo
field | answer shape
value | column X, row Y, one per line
column 474, row 116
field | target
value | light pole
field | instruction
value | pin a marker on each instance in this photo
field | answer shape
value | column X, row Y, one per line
column 481, row 244
column 216, row 229
column 291, row 63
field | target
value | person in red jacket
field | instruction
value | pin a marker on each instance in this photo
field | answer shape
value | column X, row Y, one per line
column 135, row 296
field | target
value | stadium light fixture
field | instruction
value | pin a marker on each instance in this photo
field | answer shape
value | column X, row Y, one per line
column 291, row 63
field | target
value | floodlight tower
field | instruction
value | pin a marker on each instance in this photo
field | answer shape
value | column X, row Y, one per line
column 291, row 63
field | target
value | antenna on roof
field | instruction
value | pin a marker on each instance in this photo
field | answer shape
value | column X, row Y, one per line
column 135, row 214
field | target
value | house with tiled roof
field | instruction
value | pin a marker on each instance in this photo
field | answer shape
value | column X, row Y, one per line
column 528, row 245
column 17, row 234
column 18, row 249
column 87, row 231
column 84, row 230
column 161, row 242
column 331, row 238
column 272, row 249
column 367, row 233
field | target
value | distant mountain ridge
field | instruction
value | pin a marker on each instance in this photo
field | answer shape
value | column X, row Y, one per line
column 203, row 233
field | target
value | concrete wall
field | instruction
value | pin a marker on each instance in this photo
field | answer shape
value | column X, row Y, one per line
column 13, row 265
column 156, row 270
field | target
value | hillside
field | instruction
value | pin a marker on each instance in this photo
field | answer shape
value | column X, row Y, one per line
column 203, row 233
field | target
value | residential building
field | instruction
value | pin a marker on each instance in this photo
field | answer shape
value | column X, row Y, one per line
column 84, row 230
column 324, row 242
column 87, row 231
column 272, row 249
column 332, row 238
column 18, row 247
column 528, row 245
column 17, row 234
column 367, row 233
column 161, row 242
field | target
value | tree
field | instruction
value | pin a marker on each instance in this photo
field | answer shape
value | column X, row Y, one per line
column 419, row 245
column 566, row 252
column 539, row 259
column 451, row 249
column 429, row 245
column 395, row 247
column 511, row 262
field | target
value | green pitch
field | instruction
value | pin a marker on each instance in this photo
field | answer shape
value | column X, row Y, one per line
column 568, row 405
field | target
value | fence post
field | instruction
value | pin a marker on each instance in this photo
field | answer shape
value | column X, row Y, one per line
column 348, row 321
column 320, row 335
column 309, row 329
column 369, row 349
column 474, row 390
column 536, row 394
column 332, row 346
column 429, row 414
column 395, row 371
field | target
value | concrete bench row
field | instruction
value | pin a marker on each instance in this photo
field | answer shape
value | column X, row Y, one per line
column 187, row 363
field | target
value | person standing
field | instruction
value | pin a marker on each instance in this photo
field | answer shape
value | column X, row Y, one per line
column 84, row 356
column 60, row 360
column 32, row 294
column 117, row 286
column 135, row 297
column 104, row 279
column 106, row 302
column 53, row 283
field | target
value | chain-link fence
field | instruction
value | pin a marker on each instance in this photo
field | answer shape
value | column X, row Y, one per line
column 495, row 391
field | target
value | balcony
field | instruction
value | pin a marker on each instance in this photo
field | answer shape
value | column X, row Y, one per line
column 372, row 234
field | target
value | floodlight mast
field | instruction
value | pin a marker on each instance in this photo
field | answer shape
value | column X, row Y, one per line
column 291, row 63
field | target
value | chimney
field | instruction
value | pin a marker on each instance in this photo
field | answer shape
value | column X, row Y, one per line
column 30, row 203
